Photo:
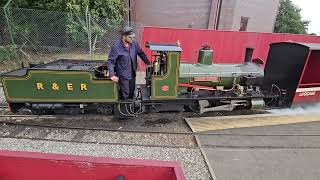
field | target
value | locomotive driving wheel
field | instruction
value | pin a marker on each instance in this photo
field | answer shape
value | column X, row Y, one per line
column 194, row 107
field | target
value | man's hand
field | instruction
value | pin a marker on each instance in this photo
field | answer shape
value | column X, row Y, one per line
column 114, row 79
column 105, row 73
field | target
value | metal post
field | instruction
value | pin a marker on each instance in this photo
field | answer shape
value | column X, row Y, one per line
column 129, row 23
column 8, row 22
column 88, row 17
column 90, row 35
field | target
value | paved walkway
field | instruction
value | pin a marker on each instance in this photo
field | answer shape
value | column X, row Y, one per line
column 249, row 154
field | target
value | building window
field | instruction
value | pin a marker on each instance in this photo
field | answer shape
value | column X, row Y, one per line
column 244, row 23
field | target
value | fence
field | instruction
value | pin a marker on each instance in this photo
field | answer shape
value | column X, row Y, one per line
column 39, row 35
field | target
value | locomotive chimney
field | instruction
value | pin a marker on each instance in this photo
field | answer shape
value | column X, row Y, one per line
column 248, row 55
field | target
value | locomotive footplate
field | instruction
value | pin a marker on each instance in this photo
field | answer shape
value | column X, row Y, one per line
column 203, row 103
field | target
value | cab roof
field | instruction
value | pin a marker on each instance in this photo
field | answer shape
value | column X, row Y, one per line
column 163, row 47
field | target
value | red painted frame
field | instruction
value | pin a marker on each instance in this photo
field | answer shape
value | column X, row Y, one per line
column 304, row 68
column 11, row 161
column 307, row 97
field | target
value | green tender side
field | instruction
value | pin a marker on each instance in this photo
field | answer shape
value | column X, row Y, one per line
column 166, row 86
column 24, row 88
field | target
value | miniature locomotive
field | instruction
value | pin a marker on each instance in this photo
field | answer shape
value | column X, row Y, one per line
column 80, row 86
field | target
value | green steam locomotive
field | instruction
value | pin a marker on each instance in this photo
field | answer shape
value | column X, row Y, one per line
column 80, row 86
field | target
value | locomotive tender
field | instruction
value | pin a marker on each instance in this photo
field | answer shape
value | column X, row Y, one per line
column 81, row 86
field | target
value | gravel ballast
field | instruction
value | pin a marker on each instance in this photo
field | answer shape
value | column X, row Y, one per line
column 192, row 160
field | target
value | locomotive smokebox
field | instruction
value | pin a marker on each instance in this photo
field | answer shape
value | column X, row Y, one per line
column 205, row 55
column 248, row 55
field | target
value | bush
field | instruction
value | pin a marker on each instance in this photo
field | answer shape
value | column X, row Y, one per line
column 10, row 52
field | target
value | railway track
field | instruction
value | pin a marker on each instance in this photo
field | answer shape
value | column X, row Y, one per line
column 96, row 135
column 146, row 132
column 131, row 137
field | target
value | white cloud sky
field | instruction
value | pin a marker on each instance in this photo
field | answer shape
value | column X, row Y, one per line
column 310, row 11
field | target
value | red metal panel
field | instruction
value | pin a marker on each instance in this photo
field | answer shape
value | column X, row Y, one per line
column 308, row 89
column 265, row 39
column 304, row 68
column 311, row 72
column 310, row 95
column 36, row 166
column 228, row 46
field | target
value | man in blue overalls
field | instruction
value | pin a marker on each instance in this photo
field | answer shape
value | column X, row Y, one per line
column 122, row 62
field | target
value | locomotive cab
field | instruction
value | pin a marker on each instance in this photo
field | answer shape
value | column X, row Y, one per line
column 163, row 76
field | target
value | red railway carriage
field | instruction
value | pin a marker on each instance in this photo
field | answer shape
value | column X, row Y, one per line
column 295, row 67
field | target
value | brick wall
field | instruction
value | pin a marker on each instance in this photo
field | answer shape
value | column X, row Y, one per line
column 202, row 14
column 261, row 13
column 172, row 13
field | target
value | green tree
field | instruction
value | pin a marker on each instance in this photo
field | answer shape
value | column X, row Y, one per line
column 289, row 19
column 111, row 9
column 104, row 14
